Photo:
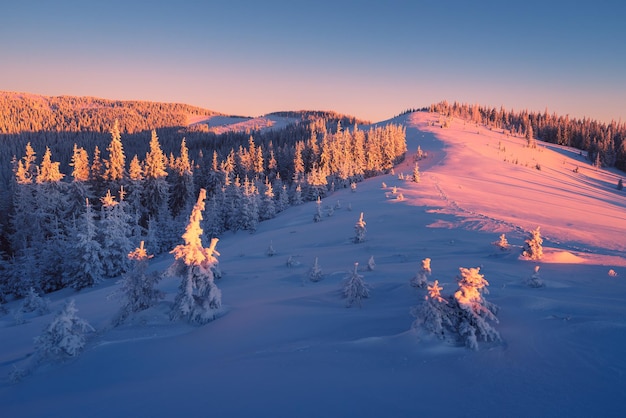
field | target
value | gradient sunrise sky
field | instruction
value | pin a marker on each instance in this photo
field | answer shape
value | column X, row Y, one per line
column 369, row 59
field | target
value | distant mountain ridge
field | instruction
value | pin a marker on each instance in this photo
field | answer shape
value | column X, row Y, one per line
column 26, row 112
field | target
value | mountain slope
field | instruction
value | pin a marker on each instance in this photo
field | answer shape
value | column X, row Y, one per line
column 288, row 347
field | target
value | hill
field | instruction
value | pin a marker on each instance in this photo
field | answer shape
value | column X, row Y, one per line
column 289, row 347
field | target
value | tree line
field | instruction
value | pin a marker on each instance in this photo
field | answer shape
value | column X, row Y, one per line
column 101, row 203
column 604, row 143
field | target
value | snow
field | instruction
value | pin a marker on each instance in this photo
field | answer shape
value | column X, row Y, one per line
column 287, row 346
column 220, row 124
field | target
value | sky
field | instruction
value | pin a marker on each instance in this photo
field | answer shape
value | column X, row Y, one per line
column 372, row 60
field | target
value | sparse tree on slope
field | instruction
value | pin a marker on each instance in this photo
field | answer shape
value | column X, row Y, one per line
column 315, row 273
column 502, row 243
column 472, row 310
column 199, row 300
column 354, row 288
column 463, row 317
column 64, row 337
column 533, row 245
column 138, row 287
column 421, row 278
column 434, row 314
column 416, row 173
column 535, row 279
column 359, row 230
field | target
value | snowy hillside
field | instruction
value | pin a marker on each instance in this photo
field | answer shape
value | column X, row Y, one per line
column 221, row 124
column 287, row 346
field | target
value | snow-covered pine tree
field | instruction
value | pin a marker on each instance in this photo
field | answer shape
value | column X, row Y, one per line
column 473, row 311
column 359, row 230
column 283, row 199
column 533, row 245
column 138, row 287
column 116, row 243
column 318, row 210
column 354, row 288
column 416, row 173
column 297, row 196
column 434, row 314
column 371, row 264
column 535, row 279
column 199, row 300
column 115, row 166
column 34, row 303
column 268, row 205
column 502, row 243
column 421, row 278
column 315, row 272
column 64, row 337
column 86, row 269
column 270, row 250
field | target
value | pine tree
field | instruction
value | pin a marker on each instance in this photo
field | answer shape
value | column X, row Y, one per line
column 535, row 279
column 35, row 303
column 502, row 243
column 371, row 264
column 318, row 210
column 86, row 269
column 199, row 300
column 533, row 245
column 434, row 314
column 354, row 288
column 115, row 166
column 64, row 337
column 115, row 224
column 268, row 206
column 49, row 171
column 416, row 173
column 359, row 230
column 138, row 287
column 620, row 184
column 473, row 310
column 80, row 164
column 315, row 272
column 270, row 250
column 420, row 280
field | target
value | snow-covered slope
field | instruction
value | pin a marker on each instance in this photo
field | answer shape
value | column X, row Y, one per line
column 221, row 124
column 289, row 347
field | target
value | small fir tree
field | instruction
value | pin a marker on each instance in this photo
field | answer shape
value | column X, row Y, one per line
column 473, row 310
column 318, row 210
column 138, row 287
column 416, row 173
column 64, row 337
column 420, row 280
column 354, row 288
column 434, row 314
column 315, row 273
column 359, row 230
column 502, row 243
column 199, row 300
column 535, row 279
column 371, row 264
column 533, row 249
column 270, row 250
column 620, row 184
column 87, row 269
column 35, row 303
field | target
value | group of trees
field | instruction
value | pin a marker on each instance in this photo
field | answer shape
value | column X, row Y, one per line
column 73, row 224
column 605, row 143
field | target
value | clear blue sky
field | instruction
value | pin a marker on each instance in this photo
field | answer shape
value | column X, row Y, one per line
column 368, row 59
